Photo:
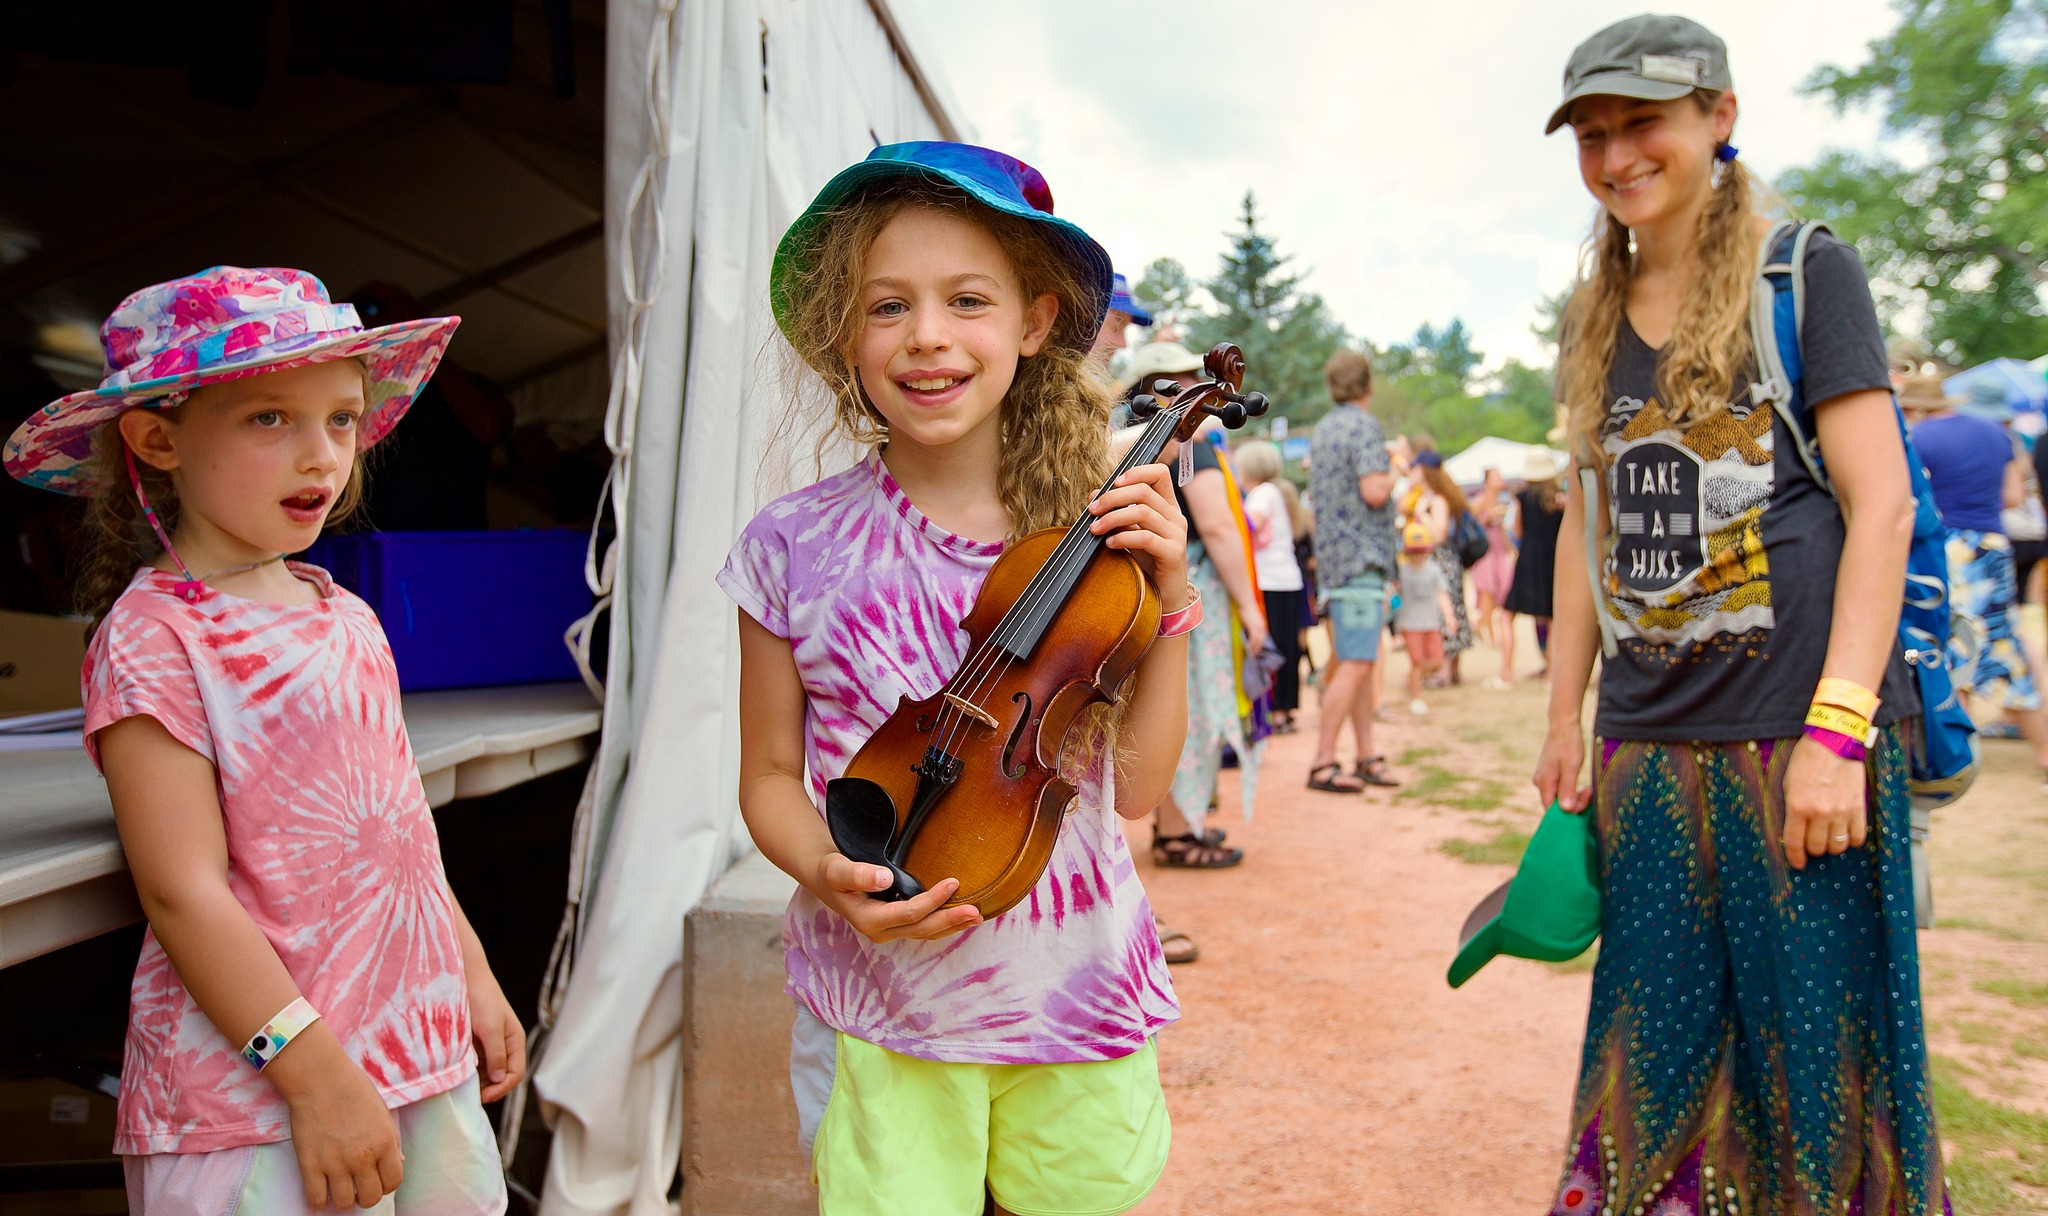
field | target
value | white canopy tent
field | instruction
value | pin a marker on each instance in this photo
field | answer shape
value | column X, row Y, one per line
column 723, row 118
column 1468, row 468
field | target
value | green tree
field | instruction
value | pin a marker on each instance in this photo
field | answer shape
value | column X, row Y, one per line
column 1286, row 332
column 1967, row 232
column 1166, row 292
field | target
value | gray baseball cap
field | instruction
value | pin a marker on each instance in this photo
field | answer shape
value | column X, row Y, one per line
column 1654, row 57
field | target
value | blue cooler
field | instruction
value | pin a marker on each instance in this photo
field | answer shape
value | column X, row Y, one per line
column 467, row 609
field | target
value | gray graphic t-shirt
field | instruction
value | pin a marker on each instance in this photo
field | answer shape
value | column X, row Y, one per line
column 1351, row 538
column 1720, row 568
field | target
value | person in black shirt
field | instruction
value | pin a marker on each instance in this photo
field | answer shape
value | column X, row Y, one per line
column 1755, row 1030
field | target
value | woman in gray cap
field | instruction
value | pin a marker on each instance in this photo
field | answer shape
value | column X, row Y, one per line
column 1754, row 1043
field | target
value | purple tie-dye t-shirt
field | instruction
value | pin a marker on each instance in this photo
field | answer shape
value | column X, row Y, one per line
column 870, row 595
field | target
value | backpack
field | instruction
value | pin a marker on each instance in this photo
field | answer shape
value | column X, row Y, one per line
column 1942, row 751
column 1468, row 540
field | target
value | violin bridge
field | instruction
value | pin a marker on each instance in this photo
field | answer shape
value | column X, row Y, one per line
column 973, row 711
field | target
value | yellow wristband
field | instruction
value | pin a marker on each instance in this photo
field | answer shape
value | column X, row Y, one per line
column 1846, row 694
column 1841, row 721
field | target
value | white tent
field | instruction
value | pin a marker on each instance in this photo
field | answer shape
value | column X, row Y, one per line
column 723, row 119
column 1468, row 468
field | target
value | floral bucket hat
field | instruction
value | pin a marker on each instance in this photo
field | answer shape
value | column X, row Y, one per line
column 991, row 178
column 224, row 323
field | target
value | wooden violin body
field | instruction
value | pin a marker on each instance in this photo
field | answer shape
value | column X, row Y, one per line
column 966, row 783
column 994, row 828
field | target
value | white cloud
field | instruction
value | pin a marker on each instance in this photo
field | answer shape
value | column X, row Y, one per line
column 1396, row 150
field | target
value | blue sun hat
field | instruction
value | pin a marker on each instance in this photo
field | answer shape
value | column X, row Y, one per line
column 1121, row 300
column 992, row 178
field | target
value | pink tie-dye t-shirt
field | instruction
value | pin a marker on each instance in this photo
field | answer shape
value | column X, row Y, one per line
column 331, row 850
column 870, row 595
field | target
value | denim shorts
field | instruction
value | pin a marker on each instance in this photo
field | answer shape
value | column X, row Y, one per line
column 1357, row 612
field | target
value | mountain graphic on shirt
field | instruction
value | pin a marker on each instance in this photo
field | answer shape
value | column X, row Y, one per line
column 1685, row 560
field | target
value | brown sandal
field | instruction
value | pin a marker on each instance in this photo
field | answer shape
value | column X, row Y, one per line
column 1187, row 952
column 1373, row 771
column 1329, row 777
column 1191, row 852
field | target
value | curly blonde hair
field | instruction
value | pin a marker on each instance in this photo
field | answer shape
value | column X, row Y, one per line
column 1709, row 347
column 1055, row 418
column 117, row 537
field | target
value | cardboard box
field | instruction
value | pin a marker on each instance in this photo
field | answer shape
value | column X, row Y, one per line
column 40, row 657
column 44, row 1119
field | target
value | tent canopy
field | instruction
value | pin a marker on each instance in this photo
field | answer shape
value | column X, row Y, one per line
column 2025, row 388
column 1468, row 468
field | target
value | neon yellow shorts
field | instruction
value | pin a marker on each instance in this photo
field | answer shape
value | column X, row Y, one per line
column 902, row 1135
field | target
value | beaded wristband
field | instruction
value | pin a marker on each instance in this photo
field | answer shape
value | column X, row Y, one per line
column 1838, row 743
column 1841, row 721
column 1182, row 620
column 1846, row 694
column 289, row 1023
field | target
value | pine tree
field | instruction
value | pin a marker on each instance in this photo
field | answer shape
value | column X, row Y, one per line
column 1286, row 333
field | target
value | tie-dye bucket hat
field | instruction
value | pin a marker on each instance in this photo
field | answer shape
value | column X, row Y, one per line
column 989, row 177
column 224, row 323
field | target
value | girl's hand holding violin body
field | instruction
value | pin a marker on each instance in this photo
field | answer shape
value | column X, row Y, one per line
column 1140, row 516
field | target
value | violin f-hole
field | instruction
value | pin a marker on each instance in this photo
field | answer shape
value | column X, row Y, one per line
column 1011, row 767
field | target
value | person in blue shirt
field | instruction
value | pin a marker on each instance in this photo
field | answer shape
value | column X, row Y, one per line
column 1976, row 471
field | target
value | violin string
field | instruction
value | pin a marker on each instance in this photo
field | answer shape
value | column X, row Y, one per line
column 1074, row 551
column 992, row 657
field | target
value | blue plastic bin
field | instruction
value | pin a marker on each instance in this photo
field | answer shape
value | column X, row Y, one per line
column 467, row 609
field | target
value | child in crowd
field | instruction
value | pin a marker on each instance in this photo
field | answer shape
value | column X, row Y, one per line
column 305, row 1016
column 940, row 1057
column 1425, row 606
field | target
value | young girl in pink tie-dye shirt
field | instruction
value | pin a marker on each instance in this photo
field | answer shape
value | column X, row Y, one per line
column 309, row 1006
column 941, row 1057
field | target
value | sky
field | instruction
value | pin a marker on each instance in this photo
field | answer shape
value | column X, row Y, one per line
column 1396, row 149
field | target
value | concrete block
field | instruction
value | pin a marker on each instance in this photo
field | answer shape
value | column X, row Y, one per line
column 740, row 1155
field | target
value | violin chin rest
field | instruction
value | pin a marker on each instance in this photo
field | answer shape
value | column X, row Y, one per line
column 862, row 818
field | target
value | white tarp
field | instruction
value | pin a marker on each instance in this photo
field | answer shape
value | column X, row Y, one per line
column 1468, row 468
column 723, row 118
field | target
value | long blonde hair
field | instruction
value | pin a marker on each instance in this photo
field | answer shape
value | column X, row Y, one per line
column 1709, row 346
column 1055, row 418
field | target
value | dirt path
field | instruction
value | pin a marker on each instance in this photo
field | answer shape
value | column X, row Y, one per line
column 1323, row 1064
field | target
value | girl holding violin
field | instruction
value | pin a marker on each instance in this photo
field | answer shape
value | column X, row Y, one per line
column 941, row 1056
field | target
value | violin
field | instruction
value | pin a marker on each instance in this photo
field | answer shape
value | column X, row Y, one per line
column 965, row 783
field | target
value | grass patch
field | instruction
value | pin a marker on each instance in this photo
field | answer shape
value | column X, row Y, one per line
column 2000, row 1152
column 2010, row 933
column 2019, row 992
column 1504, row 848
column 1478, row 734
column 1580, row 965
column 2031, row 1046
column 1438, row 786
column 1980, row 1034
column 1416, row 755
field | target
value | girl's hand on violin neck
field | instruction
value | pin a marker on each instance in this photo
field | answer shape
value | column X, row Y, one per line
column 844, row 884
column 1140, row 516
column 1824, row 808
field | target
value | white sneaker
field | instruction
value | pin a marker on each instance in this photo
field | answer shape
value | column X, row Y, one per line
column 1419, row 707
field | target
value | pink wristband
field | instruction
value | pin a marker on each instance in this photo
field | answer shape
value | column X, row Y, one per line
column 1183, row 621
column 1838, row 743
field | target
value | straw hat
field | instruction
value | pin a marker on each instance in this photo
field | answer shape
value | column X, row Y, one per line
column 1158, row 359
column 1922, row 394
column 1539, row 465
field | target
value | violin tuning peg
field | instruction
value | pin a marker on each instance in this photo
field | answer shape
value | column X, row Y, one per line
column 1143, row 406
column 1166, row 387
column 1255, row 404
column 1231, row 415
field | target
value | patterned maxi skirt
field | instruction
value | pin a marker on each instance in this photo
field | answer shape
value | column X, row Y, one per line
column 1754, row 1046
column 1213, row 719
column 1984, row 593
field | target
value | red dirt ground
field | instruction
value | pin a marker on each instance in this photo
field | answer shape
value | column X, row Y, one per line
column 1323, row 1064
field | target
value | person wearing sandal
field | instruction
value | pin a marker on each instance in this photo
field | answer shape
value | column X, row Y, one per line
column 1351, row 482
